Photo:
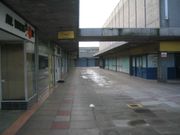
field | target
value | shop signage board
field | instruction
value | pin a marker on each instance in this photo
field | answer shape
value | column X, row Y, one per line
column 66, row 35
column 163, row 54
column 14, row 24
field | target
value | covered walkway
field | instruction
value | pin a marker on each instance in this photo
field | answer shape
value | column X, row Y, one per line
column 67, row 111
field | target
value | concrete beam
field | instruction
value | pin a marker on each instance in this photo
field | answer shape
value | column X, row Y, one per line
column 126, row 34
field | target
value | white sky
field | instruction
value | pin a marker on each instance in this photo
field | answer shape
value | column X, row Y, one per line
column 93, row 14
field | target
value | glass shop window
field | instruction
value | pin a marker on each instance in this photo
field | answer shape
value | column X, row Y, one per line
column 43, row 62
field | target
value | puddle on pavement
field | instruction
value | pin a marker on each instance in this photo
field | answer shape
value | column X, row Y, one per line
column 138, row 123
column 100, row 80
column 130, row 123
column 142, row 110
column 145, row 112
column 84, row 77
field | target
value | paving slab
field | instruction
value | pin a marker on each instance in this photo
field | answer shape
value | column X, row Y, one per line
column 62, row 118
column 84, row 131
column 57, row 125
column 83, row 124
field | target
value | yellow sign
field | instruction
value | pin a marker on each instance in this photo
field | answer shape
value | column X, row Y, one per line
column 170, row 46
column 66, row 35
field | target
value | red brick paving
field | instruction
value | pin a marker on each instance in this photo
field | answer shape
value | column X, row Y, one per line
column 60, row 125
column 63, row 113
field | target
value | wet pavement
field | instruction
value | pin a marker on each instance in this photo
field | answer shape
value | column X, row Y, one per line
column 123, row 105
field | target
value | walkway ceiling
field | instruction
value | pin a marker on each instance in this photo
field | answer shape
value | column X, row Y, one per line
column 50, row 17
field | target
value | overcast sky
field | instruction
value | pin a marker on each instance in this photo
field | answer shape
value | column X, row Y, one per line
column 93, row 14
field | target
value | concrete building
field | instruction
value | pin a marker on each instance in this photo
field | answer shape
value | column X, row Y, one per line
column 86, row 58
column 38, row 48
column 31, row 62
column 154, row 59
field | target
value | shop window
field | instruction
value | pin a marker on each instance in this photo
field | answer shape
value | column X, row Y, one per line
column 43, row 62
column 58, row 51
column 43, row 80
column 19, row 26
column 9, row 20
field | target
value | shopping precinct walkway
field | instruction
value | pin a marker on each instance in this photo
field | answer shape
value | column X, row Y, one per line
column 155, row 108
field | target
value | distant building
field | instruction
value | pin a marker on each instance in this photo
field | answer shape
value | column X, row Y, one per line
column 86, row 58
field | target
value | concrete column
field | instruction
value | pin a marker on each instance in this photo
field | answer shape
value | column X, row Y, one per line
column 25, row 72
column 130, row 65
column 162, row 69
column 36, row 52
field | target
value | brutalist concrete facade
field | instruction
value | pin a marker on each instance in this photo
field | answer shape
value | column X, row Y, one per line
column 161, row 60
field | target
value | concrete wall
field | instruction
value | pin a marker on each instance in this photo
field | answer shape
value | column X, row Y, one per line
column 121, row 13
column 144, row 13
column 152, row 13
column 173, row 19
column 140, row 14
column 126, row 14
column 30, row 66
column 134, row 14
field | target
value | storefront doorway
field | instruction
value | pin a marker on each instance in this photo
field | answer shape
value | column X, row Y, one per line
column 12, row 72
column 11, row 49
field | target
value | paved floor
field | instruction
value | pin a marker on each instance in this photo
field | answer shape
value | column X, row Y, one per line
column 67, row 111
column 8, row 117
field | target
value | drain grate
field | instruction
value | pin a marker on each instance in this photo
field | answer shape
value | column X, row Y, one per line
column 138, row 123
column 135, row 106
